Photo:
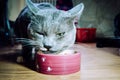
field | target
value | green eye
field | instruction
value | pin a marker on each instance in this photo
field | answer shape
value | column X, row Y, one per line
column 61, row 34
column 40, row 33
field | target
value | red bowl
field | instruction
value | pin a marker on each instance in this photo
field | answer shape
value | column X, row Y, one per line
column 85, row 34
column 58, row 64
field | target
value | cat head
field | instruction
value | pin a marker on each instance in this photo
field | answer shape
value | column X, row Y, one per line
column 51, row 29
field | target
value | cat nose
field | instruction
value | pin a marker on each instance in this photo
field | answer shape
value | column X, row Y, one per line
column 47, row 47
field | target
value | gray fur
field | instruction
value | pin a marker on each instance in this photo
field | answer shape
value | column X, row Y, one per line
column 46, row 27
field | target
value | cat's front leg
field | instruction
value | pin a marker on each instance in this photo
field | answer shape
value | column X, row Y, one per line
column 119, row 52
column 28, row 53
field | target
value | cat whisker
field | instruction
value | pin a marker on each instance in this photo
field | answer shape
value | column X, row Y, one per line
column 26, row 42
column 29, row 42
column 28, row 45
column 23, row 39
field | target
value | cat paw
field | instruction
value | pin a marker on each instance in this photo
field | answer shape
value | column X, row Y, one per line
column 19, row 59
column 118, row 52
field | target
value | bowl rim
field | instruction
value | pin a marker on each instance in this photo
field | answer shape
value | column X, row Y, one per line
column 50, row 55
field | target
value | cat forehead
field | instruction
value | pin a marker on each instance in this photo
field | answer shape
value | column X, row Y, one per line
column 52, row 12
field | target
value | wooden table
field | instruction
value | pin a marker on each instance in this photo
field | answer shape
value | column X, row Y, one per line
column 96, row 64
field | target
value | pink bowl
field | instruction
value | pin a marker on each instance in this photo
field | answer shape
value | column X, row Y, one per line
column 58, row 64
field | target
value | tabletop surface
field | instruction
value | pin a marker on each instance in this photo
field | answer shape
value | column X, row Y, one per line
column 96, row 64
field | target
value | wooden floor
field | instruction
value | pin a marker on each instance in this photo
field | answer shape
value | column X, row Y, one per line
column 96, row 64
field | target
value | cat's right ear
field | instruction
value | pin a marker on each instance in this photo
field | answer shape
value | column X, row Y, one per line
column 33, row 8
column 77, row 10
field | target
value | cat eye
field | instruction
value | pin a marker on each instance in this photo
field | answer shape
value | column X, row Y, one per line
column 40, row 33
column 61, row 34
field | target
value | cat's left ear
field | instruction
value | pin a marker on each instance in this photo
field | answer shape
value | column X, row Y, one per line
column 33, row 8
column 76, row 11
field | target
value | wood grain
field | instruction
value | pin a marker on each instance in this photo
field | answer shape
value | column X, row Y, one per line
column 96, row 64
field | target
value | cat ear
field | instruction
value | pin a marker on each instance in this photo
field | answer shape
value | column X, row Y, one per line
column 77, row 10
column 33, row 8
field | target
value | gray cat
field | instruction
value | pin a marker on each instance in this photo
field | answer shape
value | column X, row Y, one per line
column 43, row 27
